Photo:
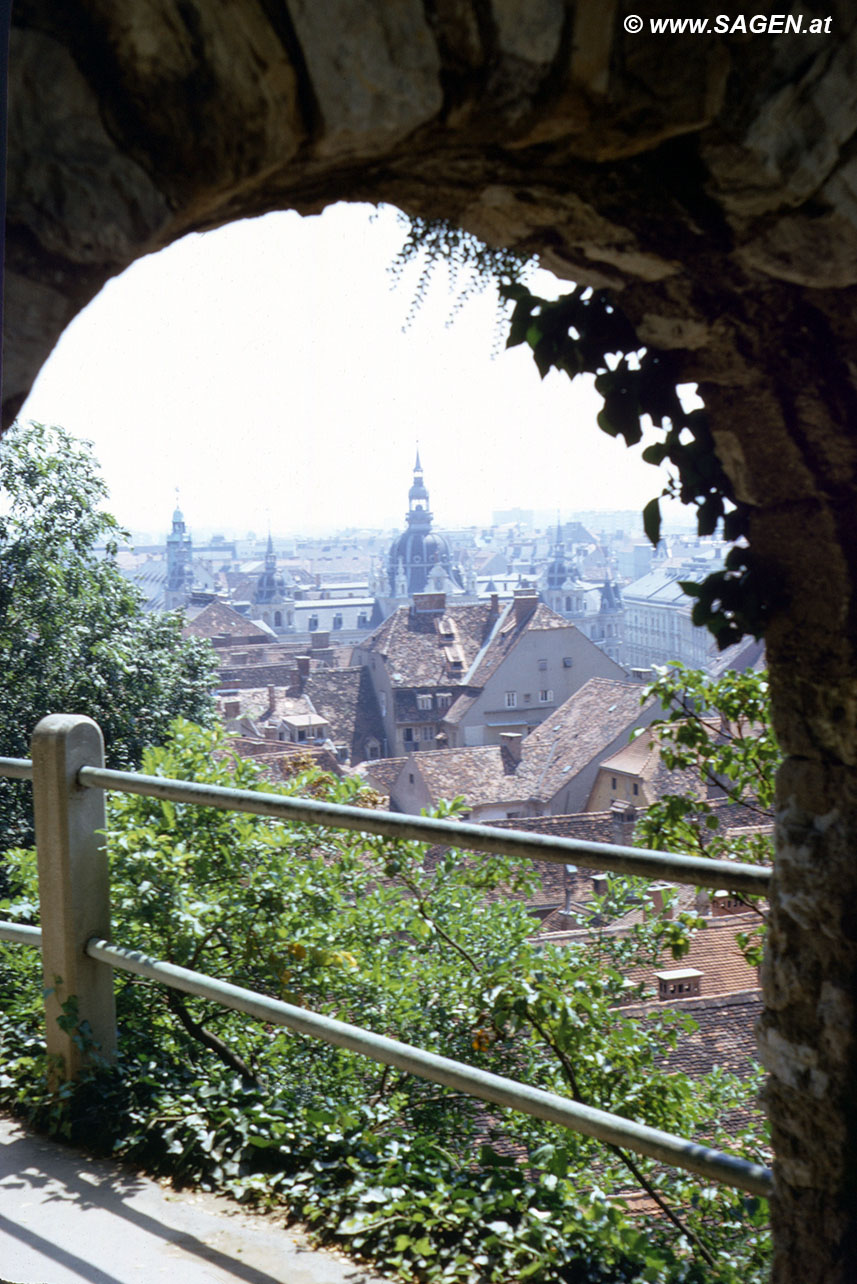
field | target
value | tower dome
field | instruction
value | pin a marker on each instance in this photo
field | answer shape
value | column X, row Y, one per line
column 271, row 584
column 418, row 550
column 557, row 569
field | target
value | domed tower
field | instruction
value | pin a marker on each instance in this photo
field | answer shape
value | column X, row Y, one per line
column 271, row 599
column 562, row 590
column 557, row 570
column 418, row 550
column 179, row 583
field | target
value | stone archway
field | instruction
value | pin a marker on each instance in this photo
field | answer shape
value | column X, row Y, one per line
column 709, row 180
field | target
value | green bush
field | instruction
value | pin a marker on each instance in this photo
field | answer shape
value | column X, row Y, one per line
column 413, row 1176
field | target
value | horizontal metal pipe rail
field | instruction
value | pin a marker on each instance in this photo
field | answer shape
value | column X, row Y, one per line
column 20, row 933
column 16, row 768
column 605, row 1127
column 483, row 1085
column 696, row 870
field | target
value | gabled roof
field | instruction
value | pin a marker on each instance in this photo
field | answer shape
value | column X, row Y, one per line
column 578, row 732
column 421, row 647
column 641, row 758
column 219, row 621
column 480, row 774
column 346, row 698
column 381, row 773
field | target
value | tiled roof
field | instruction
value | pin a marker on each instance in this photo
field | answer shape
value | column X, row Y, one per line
column 346, row 698
column 480, row 774
column 725, row 1035
column 381, row 773
column 460, row 706
column 713, row 951
column 641, row 758
column 576, row 733
column 422, row 647
column 407, row 710
column 254, row 675
column 419, row 647
column 508, row 633
column 277, row 756
column 217, row 620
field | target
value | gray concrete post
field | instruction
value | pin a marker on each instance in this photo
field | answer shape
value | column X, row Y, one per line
column 74, row 885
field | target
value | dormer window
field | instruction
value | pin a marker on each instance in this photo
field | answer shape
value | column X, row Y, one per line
column 424, row 702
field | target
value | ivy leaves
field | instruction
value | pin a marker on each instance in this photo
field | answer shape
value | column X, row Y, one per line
column 586, row 333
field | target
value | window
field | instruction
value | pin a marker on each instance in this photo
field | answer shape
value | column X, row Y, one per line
column 408, row 734
column 428, row 732
column 543, row 664
column 545, row 697
column 411, row 777
column 313, row 623
column 337, row 620
column 423, row 701
column 527, row 697
column 613, row 783
column 382, row 701
column 278, row 619
column 362, row 620
column 444, row 700
column 511, row 699
column 636, row 788
column 566, row 661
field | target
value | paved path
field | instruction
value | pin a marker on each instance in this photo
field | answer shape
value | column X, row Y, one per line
column 65, row 1218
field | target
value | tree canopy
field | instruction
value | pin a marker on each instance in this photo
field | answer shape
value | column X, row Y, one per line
column 73, row 635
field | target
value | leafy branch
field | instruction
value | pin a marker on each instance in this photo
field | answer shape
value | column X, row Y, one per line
column 586, row 333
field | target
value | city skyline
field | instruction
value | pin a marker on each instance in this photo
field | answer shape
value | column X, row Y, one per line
column 262, row 369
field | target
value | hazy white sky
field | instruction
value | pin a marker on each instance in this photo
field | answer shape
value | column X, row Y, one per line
column 262, row 370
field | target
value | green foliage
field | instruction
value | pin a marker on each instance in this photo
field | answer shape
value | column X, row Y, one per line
column 720, row 731
column 471, row 264
column 420, row 1180
column 585, row 332
column 73, row 637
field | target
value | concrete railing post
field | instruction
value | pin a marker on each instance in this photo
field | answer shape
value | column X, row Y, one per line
column 74, row 890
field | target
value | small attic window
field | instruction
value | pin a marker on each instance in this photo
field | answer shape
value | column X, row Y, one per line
column 567, row 661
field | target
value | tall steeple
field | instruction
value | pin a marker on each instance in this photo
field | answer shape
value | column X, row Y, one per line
column 418, row 499
column 418, row 549
column 179, row 581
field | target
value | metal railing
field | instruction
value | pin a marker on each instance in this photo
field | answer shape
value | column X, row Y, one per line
column 69, row 781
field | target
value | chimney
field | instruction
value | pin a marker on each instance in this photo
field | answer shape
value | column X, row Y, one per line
column 511, row 741
column 568, row 877
column 723, row 903
column 232, row 709
column 303, row 662
column 679, row 983
column 272, row 694
column 659, row 902
column 622, row 820
column 526, row 602
column 599, row 884
column 320, row 640
column 429, row 602
column 495, row 604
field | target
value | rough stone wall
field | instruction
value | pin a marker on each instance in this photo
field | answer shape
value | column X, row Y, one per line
column 712, row 182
